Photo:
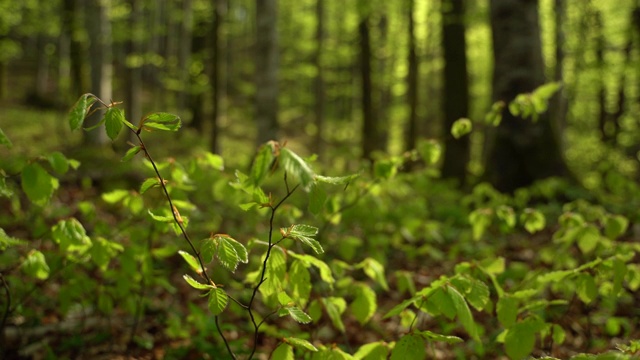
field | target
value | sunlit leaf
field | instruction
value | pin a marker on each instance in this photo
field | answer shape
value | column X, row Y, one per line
column 521, row 338
column 4, row 140
column 131, row 153
column 284, row 351
column 71, row 236
column 430, row 151
column 162, row 121
column 339, row 180
column 300, row 282
column 431, row 336
column 323, row 268
column 298, row 315
column 114, row 118
column 35, row 265
column 410, row 346
column 80, row 110
column 191, row 260
column 372, row 351
column 364, row 305
column 533, row 220
column 38, row 184
column 374, row 269
column 262, row 163
column 304, row 234
column 461, row 127
column 195, row 284
column 300, row 343
column 507, row 310
column 335, row 306
column 218, row 300
column 586, row 288
column 148, row 184
column 615, row 226
column 463, row 312
column 295, row 166
column 59, row 162
column 317, row 198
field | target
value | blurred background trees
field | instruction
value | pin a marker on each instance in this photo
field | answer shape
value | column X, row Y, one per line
column 351, row 80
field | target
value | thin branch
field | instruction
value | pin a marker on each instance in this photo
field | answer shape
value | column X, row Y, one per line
column 226, row 343
column 270, row 246
column 7, row 309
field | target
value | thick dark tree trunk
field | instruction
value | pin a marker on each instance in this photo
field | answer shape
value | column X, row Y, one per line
column 267, row 70
column 411, row 132
column 524, row 151
column 70, row 27
column 456, row 88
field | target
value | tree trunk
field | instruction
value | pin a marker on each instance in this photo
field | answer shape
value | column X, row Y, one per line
column 559, row 105
column 99, row 30
column 215, row 74
column 456, row 89
column 133, row 108
column 411, row 132
column 524, row 151
column 184, row 54
column 370, row 132
column 319, row 80
column 71, row 27
column 266, row 71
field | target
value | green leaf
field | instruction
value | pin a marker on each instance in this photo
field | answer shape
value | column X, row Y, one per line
column 215, row 161
column 364, row 305
column 317, row 198
column 615, row 226
column 114, row 118
column 325, row 270
column 494, row 116
column 71, row 236
column 335, row 306
column 191, row 260
column 7, row 241
column 297, row 167
column 4, row 140
column 373, row 269
column 300, row 282
column 148, row 184
column 298, row 315
column 507, row 215
column 507, row 310
column 430, row 151
column 162, row 121
column 59, row 162
column 130, row 125
column 103, row 250
column 35, row 265
column 400, row 307
column 275, row 274
column 443, row 302
column 478, row 294
column 335, row 180
column 195, row 284
column 131, row 153
column 463, row 311
column 558, row 334
column 304, row 234
column 282, row 352
column 230, row 252
column 410, row 346
column 586, row 288
column 521, row 338
column 588, row 238
column 461, row 127
column 480, row 219
column 80, row 110
column 262, row 163
column 218, row 300
column 300, row 343
column 372, row 351
column 619, row 272
column 431, row 336
column 533, row 220
column 554, row 276
column 38, row 184
column 161, row 218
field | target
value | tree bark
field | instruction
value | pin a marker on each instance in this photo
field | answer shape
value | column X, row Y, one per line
column 99, row 30
column 524, row 151
column 559, row 104
column 411, row 132
column 319, row 80
column 71, row 29
column 370, row 132
column 215, row 74
column 267, row 63
column 133, row 106
column 456, row 89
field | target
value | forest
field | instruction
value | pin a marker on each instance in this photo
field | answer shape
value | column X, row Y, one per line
column 317, row 179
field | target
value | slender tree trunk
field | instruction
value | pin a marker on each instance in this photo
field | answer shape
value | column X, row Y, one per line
column 559, row 106
column 99, row 29
column 370, row 135
column 603, row 117
column 218, row 6
column 456, row 89
column 72, row 28
column 133, row 106
column 42, row 71
column 524, row 151
column 184, row 53
column 267, row 63
column 319, row 80
column 411, row 132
